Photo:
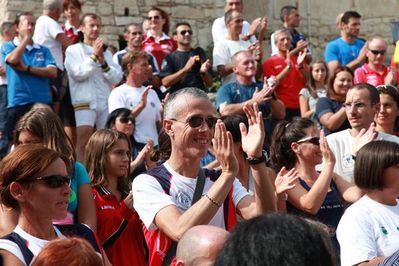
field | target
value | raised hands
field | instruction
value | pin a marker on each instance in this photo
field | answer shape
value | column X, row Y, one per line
column 252, row 138
column 285, row 180
column 223, row 149
column 364, row 137
column 205, row 66
column 328, row 155
column 301, row 56
column 98, row 50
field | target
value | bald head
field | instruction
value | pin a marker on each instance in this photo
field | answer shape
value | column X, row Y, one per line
column 200, row 245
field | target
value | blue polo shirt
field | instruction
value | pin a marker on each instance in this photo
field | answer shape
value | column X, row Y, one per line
column 23, row 87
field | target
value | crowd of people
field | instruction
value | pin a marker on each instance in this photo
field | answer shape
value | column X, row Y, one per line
column 121, row 158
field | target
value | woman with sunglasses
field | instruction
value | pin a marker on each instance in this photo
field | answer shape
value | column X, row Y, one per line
column 156, row 40
column 369, row 229
column 119, row 226
column 122, row 120
column 329, row 110
column 387, row 116
column 35, row 182
column 297, row 147
column 43, row 126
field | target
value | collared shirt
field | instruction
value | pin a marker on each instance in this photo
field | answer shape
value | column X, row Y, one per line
column 365, row 74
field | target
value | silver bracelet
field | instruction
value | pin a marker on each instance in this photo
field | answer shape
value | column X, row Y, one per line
column 213, row 201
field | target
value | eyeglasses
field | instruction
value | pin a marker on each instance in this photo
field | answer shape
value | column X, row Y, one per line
column 184, row 32
column 358, row 105
column 154, row 17
column 197, row 121
column 313, row 140
column 126, row 119
column 377, row 52
column 54, row 181
column 135, row 33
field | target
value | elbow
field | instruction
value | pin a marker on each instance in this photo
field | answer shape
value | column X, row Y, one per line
column 310, row 209
column 166, row 83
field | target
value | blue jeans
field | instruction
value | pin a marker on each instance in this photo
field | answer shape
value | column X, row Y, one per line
column 3, row 121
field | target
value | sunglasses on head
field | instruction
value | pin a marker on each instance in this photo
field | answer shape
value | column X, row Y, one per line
column 184, row 32
column 313, row 140
column 154, row 17
column 126, row 119
column 197, row 121
column 377, row 52
column 54, row 181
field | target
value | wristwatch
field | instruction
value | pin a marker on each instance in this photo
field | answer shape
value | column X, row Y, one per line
column 261, row 159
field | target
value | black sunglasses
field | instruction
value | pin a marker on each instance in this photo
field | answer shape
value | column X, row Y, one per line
column 154, row 17
column 126, row 119
column 184, row 32
column 197, row 121
column 54, row 181
column 313, row 140
column 376, row 52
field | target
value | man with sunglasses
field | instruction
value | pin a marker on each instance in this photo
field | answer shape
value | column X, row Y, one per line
column 347, row 50
column 186, row 66
column 163, row 197
column 375, row 72
column 361, row 104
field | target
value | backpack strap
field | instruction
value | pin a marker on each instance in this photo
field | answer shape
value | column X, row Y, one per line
column 22, row 244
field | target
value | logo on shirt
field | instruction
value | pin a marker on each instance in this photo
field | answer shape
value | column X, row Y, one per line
column 384, row 231
column 107, row 207
column 39, row 57
column 347, row 161
column 183, row 201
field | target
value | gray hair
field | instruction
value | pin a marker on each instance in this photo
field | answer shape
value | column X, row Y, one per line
column 170, row 109
column 280, row 31
column 6, row 26
column 52, row 5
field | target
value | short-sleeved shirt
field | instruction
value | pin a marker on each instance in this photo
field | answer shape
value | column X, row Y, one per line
column 80, row 178
column 25, row 88
column 46, row 32
column 288, row 88
column 239, row 93
column 311, row 100
column 343, row 52
column 365, row 74
column 222, row 53
column 176, row 60
column 368, row 229
column 326, row 105
column 128, row 97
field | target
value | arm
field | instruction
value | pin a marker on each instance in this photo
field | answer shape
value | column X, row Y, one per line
column 304, row 107
column 333, row 121
column 225, row 70
column 286, row 70
column 86, row 207
column 79, row 66
column 285, row 180
column 15, row 56
column 64, row 40
column 204, row 72
column 359, row 59
column 114, row 74
column 143, row 102
column 311, row 201
column 264, row 199
column 173, row 78
column 349, row 192
column 10, row 259
column 172, row 222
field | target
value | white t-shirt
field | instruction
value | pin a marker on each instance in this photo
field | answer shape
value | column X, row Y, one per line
column 222, row 53
column 341, row 145
column 368, row 229
column 150, row 198
column 128, row 97
column 34, row 244
column 219, row 30
column 46, row 31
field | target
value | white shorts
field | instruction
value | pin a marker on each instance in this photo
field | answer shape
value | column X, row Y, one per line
column 91, row 117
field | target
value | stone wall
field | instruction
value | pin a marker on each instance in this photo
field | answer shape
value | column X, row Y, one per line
column 318, row 16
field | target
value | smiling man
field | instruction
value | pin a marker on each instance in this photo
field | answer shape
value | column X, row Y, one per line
column 163, row 196
column 361, row 104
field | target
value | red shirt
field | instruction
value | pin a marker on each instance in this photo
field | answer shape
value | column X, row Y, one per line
column 288, row 89
column 128, row 248
column 158, row 48
column 365, row 74
column 71, row 32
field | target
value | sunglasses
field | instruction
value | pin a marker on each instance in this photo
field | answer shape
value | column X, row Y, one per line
column 313, row 140
column 377, row 52
column 126, row 119
column 197, row 121
column 154, row 17
column 54, row 181
column 184, row 32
